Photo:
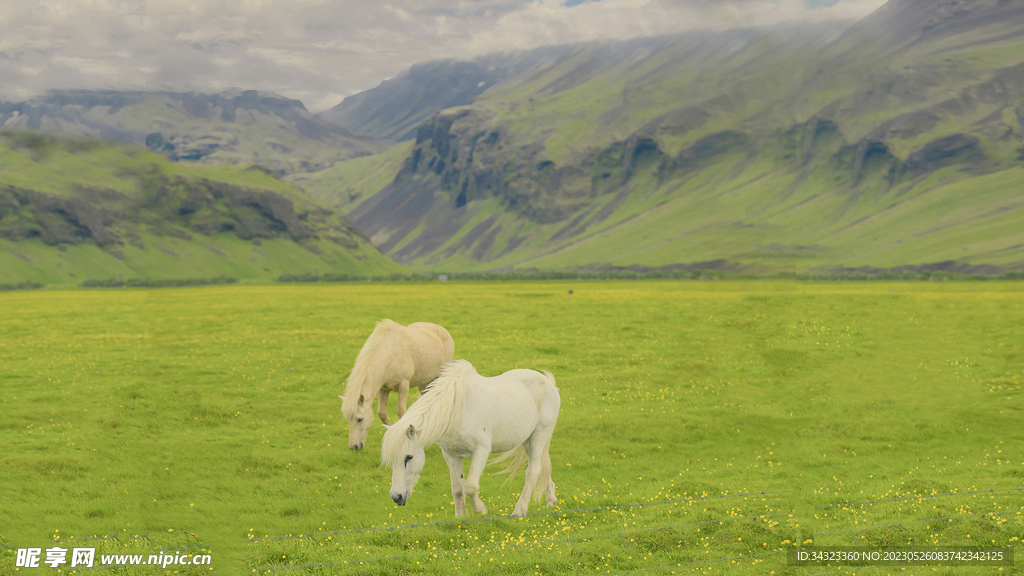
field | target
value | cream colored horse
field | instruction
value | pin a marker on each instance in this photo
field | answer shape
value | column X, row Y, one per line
column 470, row 416
column 394, row 358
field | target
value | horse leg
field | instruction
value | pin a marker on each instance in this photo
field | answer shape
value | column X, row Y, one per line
column 539, row 465
column 476, row 469
column 458, row 490
column 550, row 491
column 403, row 397
column 532, row 475
column 382, row 406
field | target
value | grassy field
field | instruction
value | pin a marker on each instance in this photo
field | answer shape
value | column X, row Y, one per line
column 163, row 257
column 706, row 427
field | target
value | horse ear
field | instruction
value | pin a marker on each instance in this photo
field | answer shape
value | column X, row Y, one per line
column 411, row 432
column 361, row 399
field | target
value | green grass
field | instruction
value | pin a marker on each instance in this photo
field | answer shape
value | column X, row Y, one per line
column 165, row 257
column 59, row 164
column 29, row 160
column 209, row 417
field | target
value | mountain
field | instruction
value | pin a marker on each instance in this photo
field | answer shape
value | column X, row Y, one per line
column 347, row 184
column 239, row 127
column 74, row 209
column 894, row 142
column 394, row 110
column 904, row 23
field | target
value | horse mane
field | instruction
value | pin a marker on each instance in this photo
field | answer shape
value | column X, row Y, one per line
column 357, row 377
column 434, row 415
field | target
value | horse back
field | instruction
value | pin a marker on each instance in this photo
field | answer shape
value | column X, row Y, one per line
column 415, row 353
column 512, row 406
column 447, row 345
column 529, row 389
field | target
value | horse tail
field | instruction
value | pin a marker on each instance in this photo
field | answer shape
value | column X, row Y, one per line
column 550, row 378
column 545, row 474
column 519, row 459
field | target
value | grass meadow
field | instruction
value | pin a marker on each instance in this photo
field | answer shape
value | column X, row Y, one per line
column 706, row 427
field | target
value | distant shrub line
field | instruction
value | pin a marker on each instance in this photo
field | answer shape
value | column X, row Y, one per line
column 481, row 276
column 903, row 276
column 21, row 286
column 704, row 275
column 164, row 283
column 908, row 276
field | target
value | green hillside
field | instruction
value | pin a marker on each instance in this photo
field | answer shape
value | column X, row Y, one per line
column 79, row 209
column 348, row 183
column 895, row 143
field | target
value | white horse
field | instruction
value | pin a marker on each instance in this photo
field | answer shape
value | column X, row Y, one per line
column 394, row 357
column 470, row 416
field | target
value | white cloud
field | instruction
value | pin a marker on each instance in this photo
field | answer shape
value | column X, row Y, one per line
column 88, row 66
column 320, row 50
column 402, row 14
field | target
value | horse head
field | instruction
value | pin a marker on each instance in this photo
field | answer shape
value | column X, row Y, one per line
column 359, row 418
column 406, row 464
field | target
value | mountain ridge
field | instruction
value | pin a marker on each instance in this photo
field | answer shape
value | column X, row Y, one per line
column 233, row 127
column 394, row 109
column 572, row 165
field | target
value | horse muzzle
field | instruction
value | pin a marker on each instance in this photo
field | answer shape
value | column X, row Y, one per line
column 400, row 499
column 356, row 446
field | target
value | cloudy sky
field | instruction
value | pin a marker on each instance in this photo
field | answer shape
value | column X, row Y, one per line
column 320, row 51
